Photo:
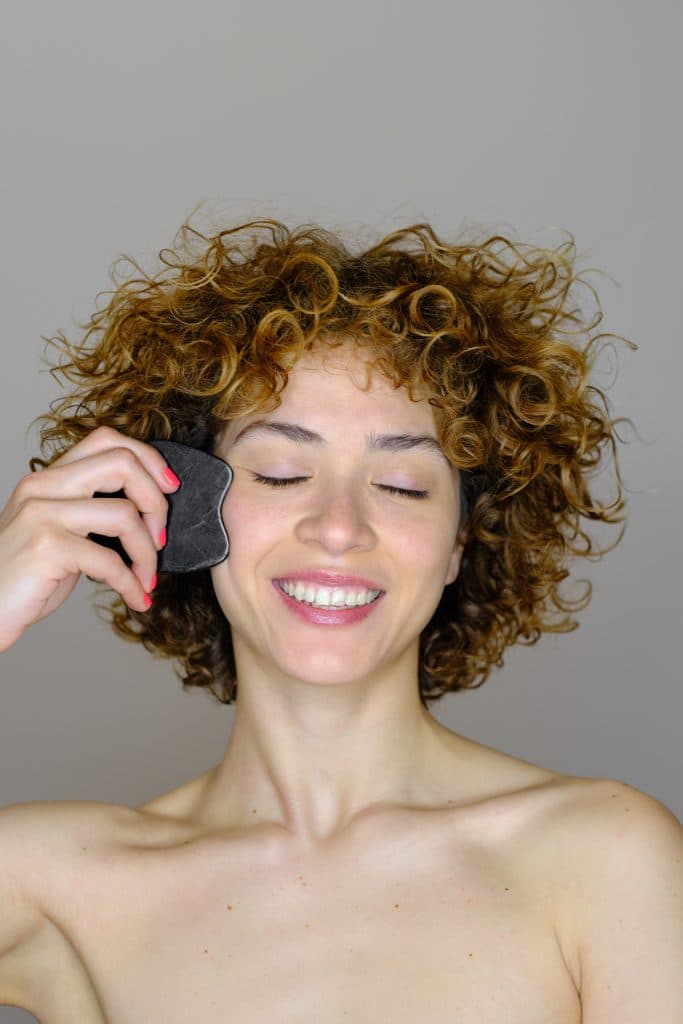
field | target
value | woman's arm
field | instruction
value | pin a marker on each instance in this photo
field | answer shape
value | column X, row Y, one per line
column 627, row 908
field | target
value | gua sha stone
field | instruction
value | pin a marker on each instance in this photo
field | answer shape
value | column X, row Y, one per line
column 195, row 535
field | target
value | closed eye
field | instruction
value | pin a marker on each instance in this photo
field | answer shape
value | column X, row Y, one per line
column 274, row 481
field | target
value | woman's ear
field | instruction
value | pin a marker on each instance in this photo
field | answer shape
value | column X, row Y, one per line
column 454, row 564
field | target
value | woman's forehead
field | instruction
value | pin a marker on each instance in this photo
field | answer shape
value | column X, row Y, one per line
column 348, row 368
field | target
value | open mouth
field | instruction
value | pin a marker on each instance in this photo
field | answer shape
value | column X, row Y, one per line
column 322, row 614
column 336, row 606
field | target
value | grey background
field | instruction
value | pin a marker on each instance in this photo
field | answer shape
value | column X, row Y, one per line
column 526, row 118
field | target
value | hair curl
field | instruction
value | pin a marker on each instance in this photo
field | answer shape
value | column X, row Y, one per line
column 179, row 353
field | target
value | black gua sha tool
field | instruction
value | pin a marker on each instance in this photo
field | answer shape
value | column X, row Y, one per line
column 195, row 535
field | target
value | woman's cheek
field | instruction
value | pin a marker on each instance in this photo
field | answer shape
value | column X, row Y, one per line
column 251, row 520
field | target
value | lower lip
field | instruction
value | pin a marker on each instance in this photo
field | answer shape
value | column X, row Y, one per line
column 333, row 617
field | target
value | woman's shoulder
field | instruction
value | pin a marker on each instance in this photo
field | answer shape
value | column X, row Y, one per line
column 563, row 818
column 56, row 825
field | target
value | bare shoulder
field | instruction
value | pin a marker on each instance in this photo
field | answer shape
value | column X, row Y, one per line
column 38, row 841
column 42, row 838
column 585, row 821
column 603, row 840
column 594, row 815
column 48, row 827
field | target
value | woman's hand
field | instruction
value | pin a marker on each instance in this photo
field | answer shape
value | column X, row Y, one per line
column 44, row 545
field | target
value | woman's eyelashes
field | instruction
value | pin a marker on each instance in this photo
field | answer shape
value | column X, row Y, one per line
column 274, row 481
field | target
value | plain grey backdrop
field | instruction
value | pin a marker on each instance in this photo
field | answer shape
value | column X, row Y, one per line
column 525, row 118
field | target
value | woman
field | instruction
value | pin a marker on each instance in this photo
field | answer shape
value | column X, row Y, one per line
column 408, row 432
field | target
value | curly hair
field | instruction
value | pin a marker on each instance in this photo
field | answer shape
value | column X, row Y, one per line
column 211, row 335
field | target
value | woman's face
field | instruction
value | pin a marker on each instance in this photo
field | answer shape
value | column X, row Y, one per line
column 340, row 517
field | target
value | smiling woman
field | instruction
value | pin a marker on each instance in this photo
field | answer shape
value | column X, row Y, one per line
column 484, row 333
column 410, row 431
column 383, row 504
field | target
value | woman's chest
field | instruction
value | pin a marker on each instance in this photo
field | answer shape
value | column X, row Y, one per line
column 421, row 933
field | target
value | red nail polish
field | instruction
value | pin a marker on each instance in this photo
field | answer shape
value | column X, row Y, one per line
column 148, row 600
column 162, row 538
column 171, row 476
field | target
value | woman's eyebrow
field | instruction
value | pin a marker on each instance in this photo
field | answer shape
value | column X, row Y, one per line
column 373, row 442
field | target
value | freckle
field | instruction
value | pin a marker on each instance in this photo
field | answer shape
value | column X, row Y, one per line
column 206, row 951
column 469, row 954
column 506, row 889
column 253, row 810
column 229, row 906
column 396, row 904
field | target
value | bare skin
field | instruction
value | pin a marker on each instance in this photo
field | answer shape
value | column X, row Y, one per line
column 349, row 859
column 448, row 910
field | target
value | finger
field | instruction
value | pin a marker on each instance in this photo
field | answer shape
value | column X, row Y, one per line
column 111, row 517
column 105, row 438
column 109, row 471
column 102, row 564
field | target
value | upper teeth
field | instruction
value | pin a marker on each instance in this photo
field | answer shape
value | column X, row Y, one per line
column 332, row 597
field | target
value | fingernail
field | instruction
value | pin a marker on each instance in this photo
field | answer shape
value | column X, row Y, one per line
column 171, row 476
column 162, row 539
column 148, row 600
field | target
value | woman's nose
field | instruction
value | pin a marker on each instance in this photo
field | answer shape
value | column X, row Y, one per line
column 339, row 514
